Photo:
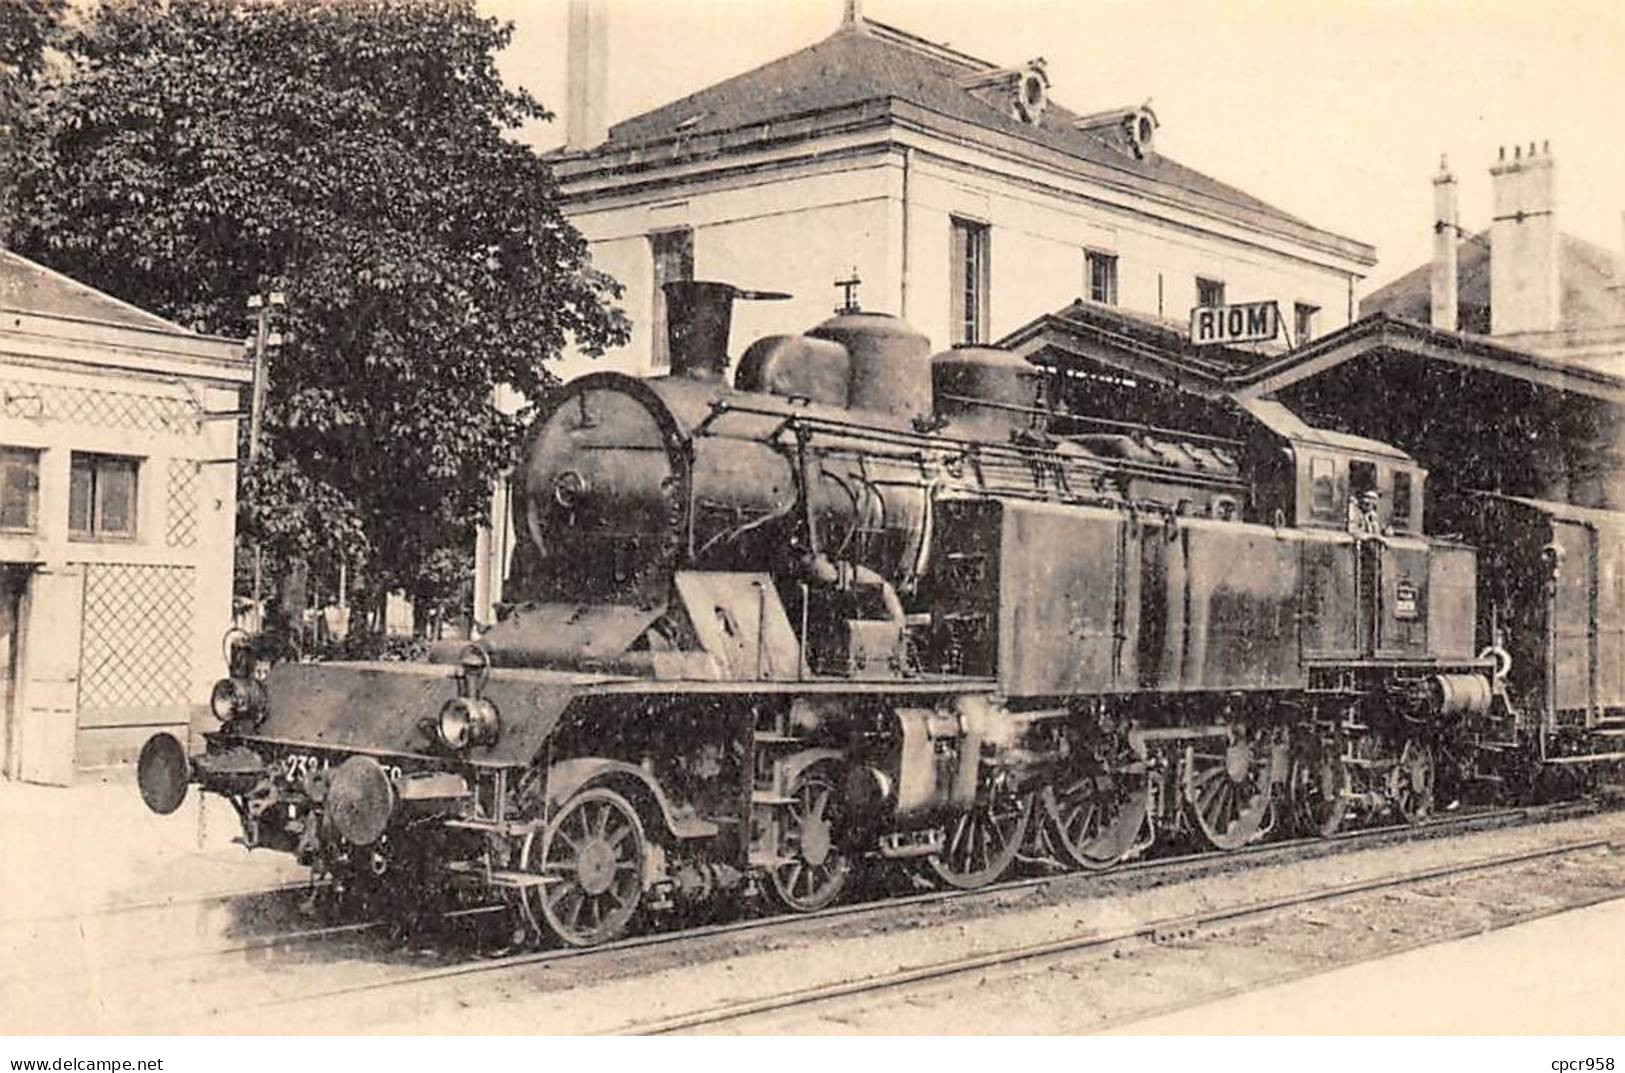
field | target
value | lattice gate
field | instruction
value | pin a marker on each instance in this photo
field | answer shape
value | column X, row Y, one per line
column 137, row 644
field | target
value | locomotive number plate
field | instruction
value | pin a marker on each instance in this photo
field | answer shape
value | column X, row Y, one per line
column 295, row 768
column 1405, row 600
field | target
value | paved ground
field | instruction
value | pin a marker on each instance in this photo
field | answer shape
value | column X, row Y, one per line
column 1564, row 975
column 71, row 849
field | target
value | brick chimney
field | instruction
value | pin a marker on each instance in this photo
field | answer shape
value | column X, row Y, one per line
column 586, row 75
column 1446, row 235
column 1525, row 295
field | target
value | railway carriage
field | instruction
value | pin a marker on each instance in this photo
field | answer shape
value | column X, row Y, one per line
column 865, row 604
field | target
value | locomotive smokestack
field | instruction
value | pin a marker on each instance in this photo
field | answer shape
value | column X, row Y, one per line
column 698, row 317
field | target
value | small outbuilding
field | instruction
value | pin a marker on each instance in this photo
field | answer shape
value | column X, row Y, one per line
column 118, row 476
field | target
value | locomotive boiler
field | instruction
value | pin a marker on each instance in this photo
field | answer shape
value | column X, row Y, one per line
column 864, row 604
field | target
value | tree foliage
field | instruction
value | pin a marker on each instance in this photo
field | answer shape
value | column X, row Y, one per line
column 26, row 29
column 352, row 154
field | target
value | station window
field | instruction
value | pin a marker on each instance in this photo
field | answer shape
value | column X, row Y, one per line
column 1322, row 487
column 101, row 497
column 968, row 283
column 19, row 490
column 1100, row 270
column 1209, row 292
column 1401, row 518
column 1303, row 323
column 673, row 253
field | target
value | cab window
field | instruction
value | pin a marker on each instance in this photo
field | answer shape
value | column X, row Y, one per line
column 1322, row 486
column 1401, row 517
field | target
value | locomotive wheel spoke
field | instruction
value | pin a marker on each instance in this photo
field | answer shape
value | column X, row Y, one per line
column 1096, row 821
column 593, row 853
column 812, row 872
column 983, row 843
column 1411, row 783
column 1315, row 790
column 1227, row 795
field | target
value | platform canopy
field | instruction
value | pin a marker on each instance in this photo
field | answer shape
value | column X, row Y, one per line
column 1479, row 413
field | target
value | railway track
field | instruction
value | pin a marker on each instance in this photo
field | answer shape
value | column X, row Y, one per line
column 1160, row 930
column 212, row 923
column 151, row 905
column 328, row 965
column 1146, row 872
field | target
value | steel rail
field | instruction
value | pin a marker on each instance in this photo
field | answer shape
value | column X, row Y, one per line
column 1343, row 842
column 158, row 904
column 1180, row 925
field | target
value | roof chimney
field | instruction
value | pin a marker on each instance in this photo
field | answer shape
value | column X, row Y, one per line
column 586, row 76
column 1524, row 291
column 1446, row 234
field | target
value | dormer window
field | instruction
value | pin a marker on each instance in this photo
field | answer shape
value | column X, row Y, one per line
column 1022, row 91
column 1131, row 131
column 1032, row 93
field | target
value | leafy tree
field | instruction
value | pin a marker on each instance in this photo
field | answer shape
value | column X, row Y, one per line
column 351, row 154
column 26, row 28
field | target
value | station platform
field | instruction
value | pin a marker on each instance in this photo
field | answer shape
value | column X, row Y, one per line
column 94, row 845
column 1558, row 975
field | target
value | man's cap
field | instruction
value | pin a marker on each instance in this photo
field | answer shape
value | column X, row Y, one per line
column 1370, row 493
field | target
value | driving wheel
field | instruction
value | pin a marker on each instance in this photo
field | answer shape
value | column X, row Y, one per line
column 983, row 842
column 1410, row 784
column 591, row 858
column 1315, row 789
column 1094, row 821
column 812, row 872
column 1227, row 791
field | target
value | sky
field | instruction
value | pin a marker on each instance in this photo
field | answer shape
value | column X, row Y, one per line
column 1336, row 111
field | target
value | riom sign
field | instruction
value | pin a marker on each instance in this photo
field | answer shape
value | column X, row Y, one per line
column 1249, row 322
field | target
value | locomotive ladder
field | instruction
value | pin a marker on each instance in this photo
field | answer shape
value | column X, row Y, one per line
column 771, row 739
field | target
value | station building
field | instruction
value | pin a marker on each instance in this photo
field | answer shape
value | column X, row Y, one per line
column 964, row 198
column 118, row 506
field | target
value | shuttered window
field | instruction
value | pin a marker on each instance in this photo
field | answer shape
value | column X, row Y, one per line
column 673, row 253
column 1209, row 292
column 101, row 497
column 19, row 490
column 968, row 281
column 1402, row 500
column 1101, row 271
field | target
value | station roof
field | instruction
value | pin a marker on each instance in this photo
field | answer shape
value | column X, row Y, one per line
column 42, row 311
column 896, row 75
column 1590, row 277
column 1160, row 350
column 1385, row 336
column 29, row 287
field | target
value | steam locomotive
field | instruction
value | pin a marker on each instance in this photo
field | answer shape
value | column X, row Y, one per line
column 867, row 604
